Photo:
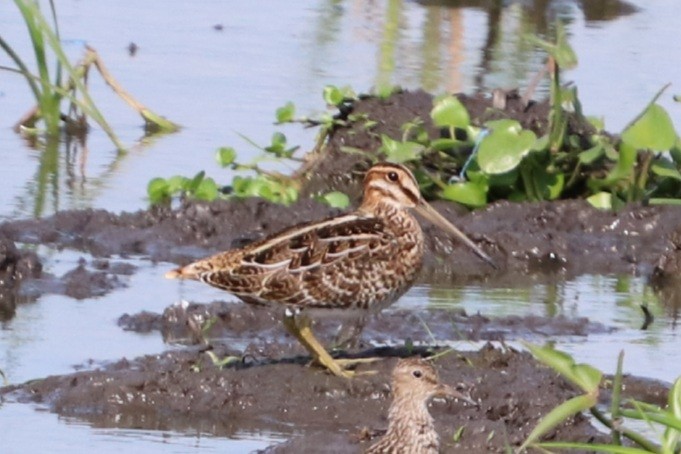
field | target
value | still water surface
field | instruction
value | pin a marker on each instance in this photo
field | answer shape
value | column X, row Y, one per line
column 221, row 83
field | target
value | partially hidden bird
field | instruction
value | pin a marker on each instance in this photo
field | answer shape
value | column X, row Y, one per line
column 362, row 260
column 411, row 428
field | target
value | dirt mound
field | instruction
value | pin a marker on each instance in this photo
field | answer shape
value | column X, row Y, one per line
column 513, row 391
column 260, row 391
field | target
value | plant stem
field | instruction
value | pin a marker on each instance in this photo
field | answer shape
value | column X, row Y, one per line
column 151, row 118
column 633, row 436
column 643, row 173
column 616, row 398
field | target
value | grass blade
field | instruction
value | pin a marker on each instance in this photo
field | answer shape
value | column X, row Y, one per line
column 558, row 415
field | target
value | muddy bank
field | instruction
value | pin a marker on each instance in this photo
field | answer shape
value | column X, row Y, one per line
column 565, row 238
column 269, row 387
column 185, row 387
column 182, row 322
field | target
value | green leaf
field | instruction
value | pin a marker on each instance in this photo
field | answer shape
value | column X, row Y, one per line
column 553, row 184
column 157, row 190
column 278, row 146
column 597, row 122
column 207, row 190
column 664, row 168
column 195, row 182
column 399, row 152
column 286, row 113
column 335, row 199
column 652, row 130
column 601, row 200
column 225, row 156
column 626, row 159
column 504, row 124
column 588, row 447
column 674, row 401
column 664, row 201
column 591, row 155
column 178, row 183
column 584, row 376
column 558, row 415
column 458, row 434
column 333, row 96
column 221, row 362
column 444, row 144
column 561, row 50
column 503, row 149
column 468, row 193
column 675, row 151
column 450, row 112
column 587, row 377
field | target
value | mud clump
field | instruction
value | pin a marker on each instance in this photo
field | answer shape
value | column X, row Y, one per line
column 512, row 390
column 15, row 266
column 193, row 323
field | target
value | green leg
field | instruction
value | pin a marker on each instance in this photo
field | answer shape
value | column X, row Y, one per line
column 301, row 329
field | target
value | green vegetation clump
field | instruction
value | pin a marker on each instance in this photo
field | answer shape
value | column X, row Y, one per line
column 664, row 420
column 61, row 93
column 475, row 164
column 259, row 182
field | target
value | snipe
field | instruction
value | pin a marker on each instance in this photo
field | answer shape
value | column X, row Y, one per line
column 361, row 260
column 411, row 428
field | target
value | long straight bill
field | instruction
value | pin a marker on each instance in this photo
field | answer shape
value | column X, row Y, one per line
column 447, row 391
column 436, row 218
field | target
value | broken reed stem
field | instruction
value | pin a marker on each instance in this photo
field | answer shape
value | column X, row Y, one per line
column 152, row 120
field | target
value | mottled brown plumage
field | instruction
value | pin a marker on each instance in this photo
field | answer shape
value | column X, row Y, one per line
column 365, row 259
column 411, row 428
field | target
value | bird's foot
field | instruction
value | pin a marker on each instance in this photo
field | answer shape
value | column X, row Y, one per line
column 344, row 367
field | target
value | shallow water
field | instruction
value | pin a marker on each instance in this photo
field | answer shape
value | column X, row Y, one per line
column 217, row 84
column 54, row 434
column 57, row 335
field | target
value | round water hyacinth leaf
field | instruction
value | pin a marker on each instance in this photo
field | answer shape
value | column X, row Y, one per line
column 399, row 152
column 333, row 95
column 449, row 111
column 157, row 190
column 504, row 124
column 467, row 193
column 207, row 190
column 653, row 130
column 286, row 113
column 225, row 156
column 502, row 150
column 177, row 183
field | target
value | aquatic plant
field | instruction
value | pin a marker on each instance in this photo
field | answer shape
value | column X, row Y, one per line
column 67, row 83
column 475, row 162
column 260, row 182
column 499, row 159
column 590, row 380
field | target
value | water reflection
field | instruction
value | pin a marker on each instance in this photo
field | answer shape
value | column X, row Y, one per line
column 454, row 46
column 430, row 42
column 614, row 301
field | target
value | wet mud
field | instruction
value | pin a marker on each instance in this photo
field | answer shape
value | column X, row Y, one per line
column 268, row 385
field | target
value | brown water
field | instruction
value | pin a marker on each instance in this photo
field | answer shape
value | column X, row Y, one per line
column 218, row 83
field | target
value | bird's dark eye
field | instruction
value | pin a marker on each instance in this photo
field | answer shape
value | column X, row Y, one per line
column 417, row 373
column 392, row 176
